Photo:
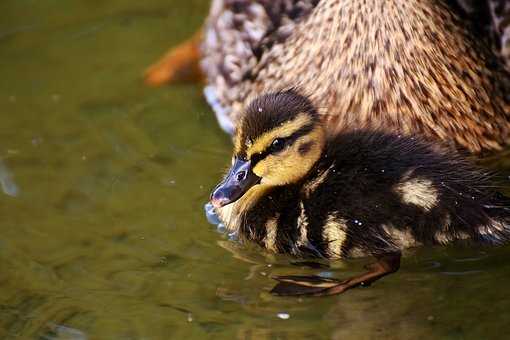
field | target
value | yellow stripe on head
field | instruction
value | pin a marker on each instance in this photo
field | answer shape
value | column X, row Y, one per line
column 237, row 140
column 283, row 131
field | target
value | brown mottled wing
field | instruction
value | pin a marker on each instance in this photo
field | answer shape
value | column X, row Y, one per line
column 410, row 66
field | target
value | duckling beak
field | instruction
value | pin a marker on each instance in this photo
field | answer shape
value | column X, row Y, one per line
column 239, row 180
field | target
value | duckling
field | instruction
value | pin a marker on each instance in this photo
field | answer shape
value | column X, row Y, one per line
column 416, row 66
column 295, row 188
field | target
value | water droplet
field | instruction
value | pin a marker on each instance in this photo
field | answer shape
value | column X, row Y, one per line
column 210, row 214
column 327, row 274
column 37, row 141
column 232, row 236
column 190, row 317
column 283, row 315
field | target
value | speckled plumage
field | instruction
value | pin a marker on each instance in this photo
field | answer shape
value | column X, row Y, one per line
column 368, row 192
column 499, row 27
column 411, row 66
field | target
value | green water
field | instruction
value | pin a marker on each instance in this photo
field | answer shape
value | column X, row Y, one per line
column 102, row 184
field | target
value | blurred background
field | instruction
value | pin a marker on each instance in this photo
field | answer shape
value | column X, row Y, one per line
column 102, row 187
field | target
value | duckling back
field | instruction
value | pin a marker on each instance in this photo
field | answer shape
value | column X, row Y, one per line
column 409, row 66
column 387, row 192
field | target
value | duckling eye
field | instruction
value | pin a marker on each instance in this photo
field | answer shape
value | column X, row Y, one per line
column 277, row 145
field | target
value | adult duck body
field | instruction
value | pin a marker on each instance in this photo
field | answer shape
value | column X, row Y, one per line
column 414, row 66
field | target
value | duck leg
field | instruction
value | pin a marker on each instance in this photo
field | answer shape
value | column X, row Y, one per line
column 295, row 285
column 180, row 63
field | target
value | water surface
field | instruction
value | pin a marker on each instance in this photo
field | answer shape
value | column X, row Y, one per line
column 102, row 183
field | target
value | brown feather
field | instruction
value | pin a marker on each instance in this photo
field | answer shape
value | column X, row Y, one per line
column 410, row 66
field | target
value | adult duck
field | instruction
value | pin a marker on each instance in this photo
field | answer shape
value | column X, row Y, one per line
column 414, row 66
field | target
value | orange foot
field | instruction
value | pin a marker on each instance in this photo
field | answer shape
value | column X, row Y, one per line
column 179, row 64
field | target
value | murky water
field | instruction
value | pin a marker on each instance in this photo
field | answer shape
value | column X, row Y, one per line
column 102, row 183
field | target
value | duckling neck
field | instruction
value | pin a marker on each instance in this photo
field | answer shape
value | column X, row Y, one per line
column 261, row 203
column 274, row 216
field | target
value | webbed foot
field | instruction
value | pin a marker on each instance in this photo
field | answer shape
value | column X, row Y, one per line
column 179, row 64
column 296, row 285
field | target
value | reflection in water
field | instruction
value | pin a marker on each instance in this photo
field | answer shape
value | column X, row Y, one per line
column 58, row 332
column 9, row 187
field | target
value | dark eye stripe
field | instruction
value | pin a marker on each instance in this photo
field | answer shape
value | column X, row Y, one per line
column 304, row 130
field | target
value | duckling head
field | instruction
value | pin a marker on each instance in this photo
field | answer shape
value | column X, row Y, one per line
column 276, row 143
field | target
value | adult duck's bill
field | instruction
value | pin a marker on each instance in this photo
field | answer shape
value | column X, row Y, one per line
column 239, row 180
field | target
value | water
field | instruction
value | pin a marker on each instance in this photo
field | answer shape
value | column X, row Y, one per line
column 102, row 186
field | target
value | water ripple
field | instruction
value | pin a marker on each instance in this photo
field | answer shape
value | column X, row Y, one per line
column 9, row 187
